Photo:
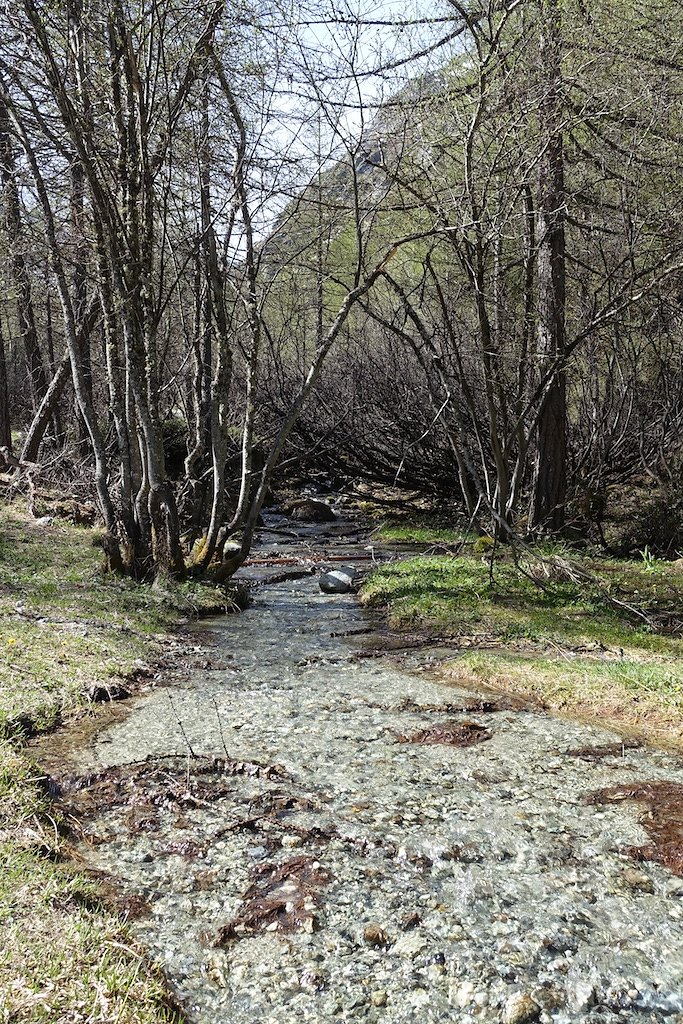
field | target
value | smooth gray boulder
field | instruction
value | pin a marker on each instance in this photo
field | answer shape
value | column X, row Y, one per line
column 344, row 580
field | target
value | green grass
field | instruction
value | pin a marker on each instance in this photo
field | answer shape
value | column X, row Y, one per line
column 64, row 956
column 566, row 643
column 65, row 627
column 426, row 532
column 645, row 695
column 454, row 596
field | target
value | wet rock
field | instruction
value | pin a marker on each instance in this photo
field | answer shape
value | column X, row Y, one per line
column 673, row 887
column 310, row 510
column 343, row 580
column 375, row 935
column 409, row 945
column 520, row 1008
column 463, row 995
column 561, row 941
column 312, row 980
column 215, row 972
column 581, row 995
column 291, row 842
column 551, row 997
column 467, row 854
column 102, row 693
column 636, row 881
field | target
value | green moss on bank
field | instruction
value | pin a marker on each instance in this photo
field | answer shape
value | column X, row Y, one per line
column 427, row 532
column 573, row 644
column 66, row 629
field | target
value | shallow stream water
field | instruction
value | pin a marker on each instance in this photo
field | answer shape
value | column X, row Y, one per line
column 307, row 865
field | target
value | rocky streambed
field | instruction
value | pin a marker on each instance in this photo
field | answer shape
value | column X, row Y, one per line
column 301, row 833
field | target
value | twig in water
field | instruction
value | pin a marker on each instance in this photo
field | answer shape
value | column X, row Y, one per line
column 181, row 726
column 220, row 728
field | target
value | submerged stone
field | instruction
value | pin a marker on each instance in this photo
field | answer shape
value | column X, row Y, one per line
column 375, row 935
column 310, row 510
column 521, row 1009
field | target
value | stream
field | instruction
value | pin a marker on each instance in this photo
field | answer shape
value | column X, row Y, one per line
column 302, row 832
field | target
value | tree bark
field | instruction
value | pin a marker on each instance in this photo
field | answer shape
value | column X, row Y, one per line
column 549, row 491
column 5, row 427
column 17, row 260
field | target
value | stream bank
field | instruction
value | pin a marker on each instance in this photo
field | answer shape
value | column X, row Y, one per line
column 68, row 636
column 304, row 833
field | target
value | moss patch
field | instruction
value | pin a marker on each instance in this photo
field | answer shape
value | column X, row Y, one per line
column 427, row 532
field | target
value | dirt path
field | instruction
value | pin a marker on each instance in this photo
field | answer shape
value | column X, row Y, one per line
column 334, row 853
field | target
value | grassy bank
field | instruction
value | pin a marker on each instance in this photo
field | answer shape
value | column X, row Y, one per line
column 571, row 637
column 66, row 633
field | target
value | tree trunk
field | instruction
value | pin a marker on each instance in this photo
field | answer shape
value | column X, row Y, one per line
column 17, row 261
column 5, row 428
column 547, row 512
column 80, row 288
column 46, row 411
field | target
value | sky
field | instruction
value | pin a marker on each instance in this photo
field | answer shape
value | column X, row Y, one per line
column 336, row 62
